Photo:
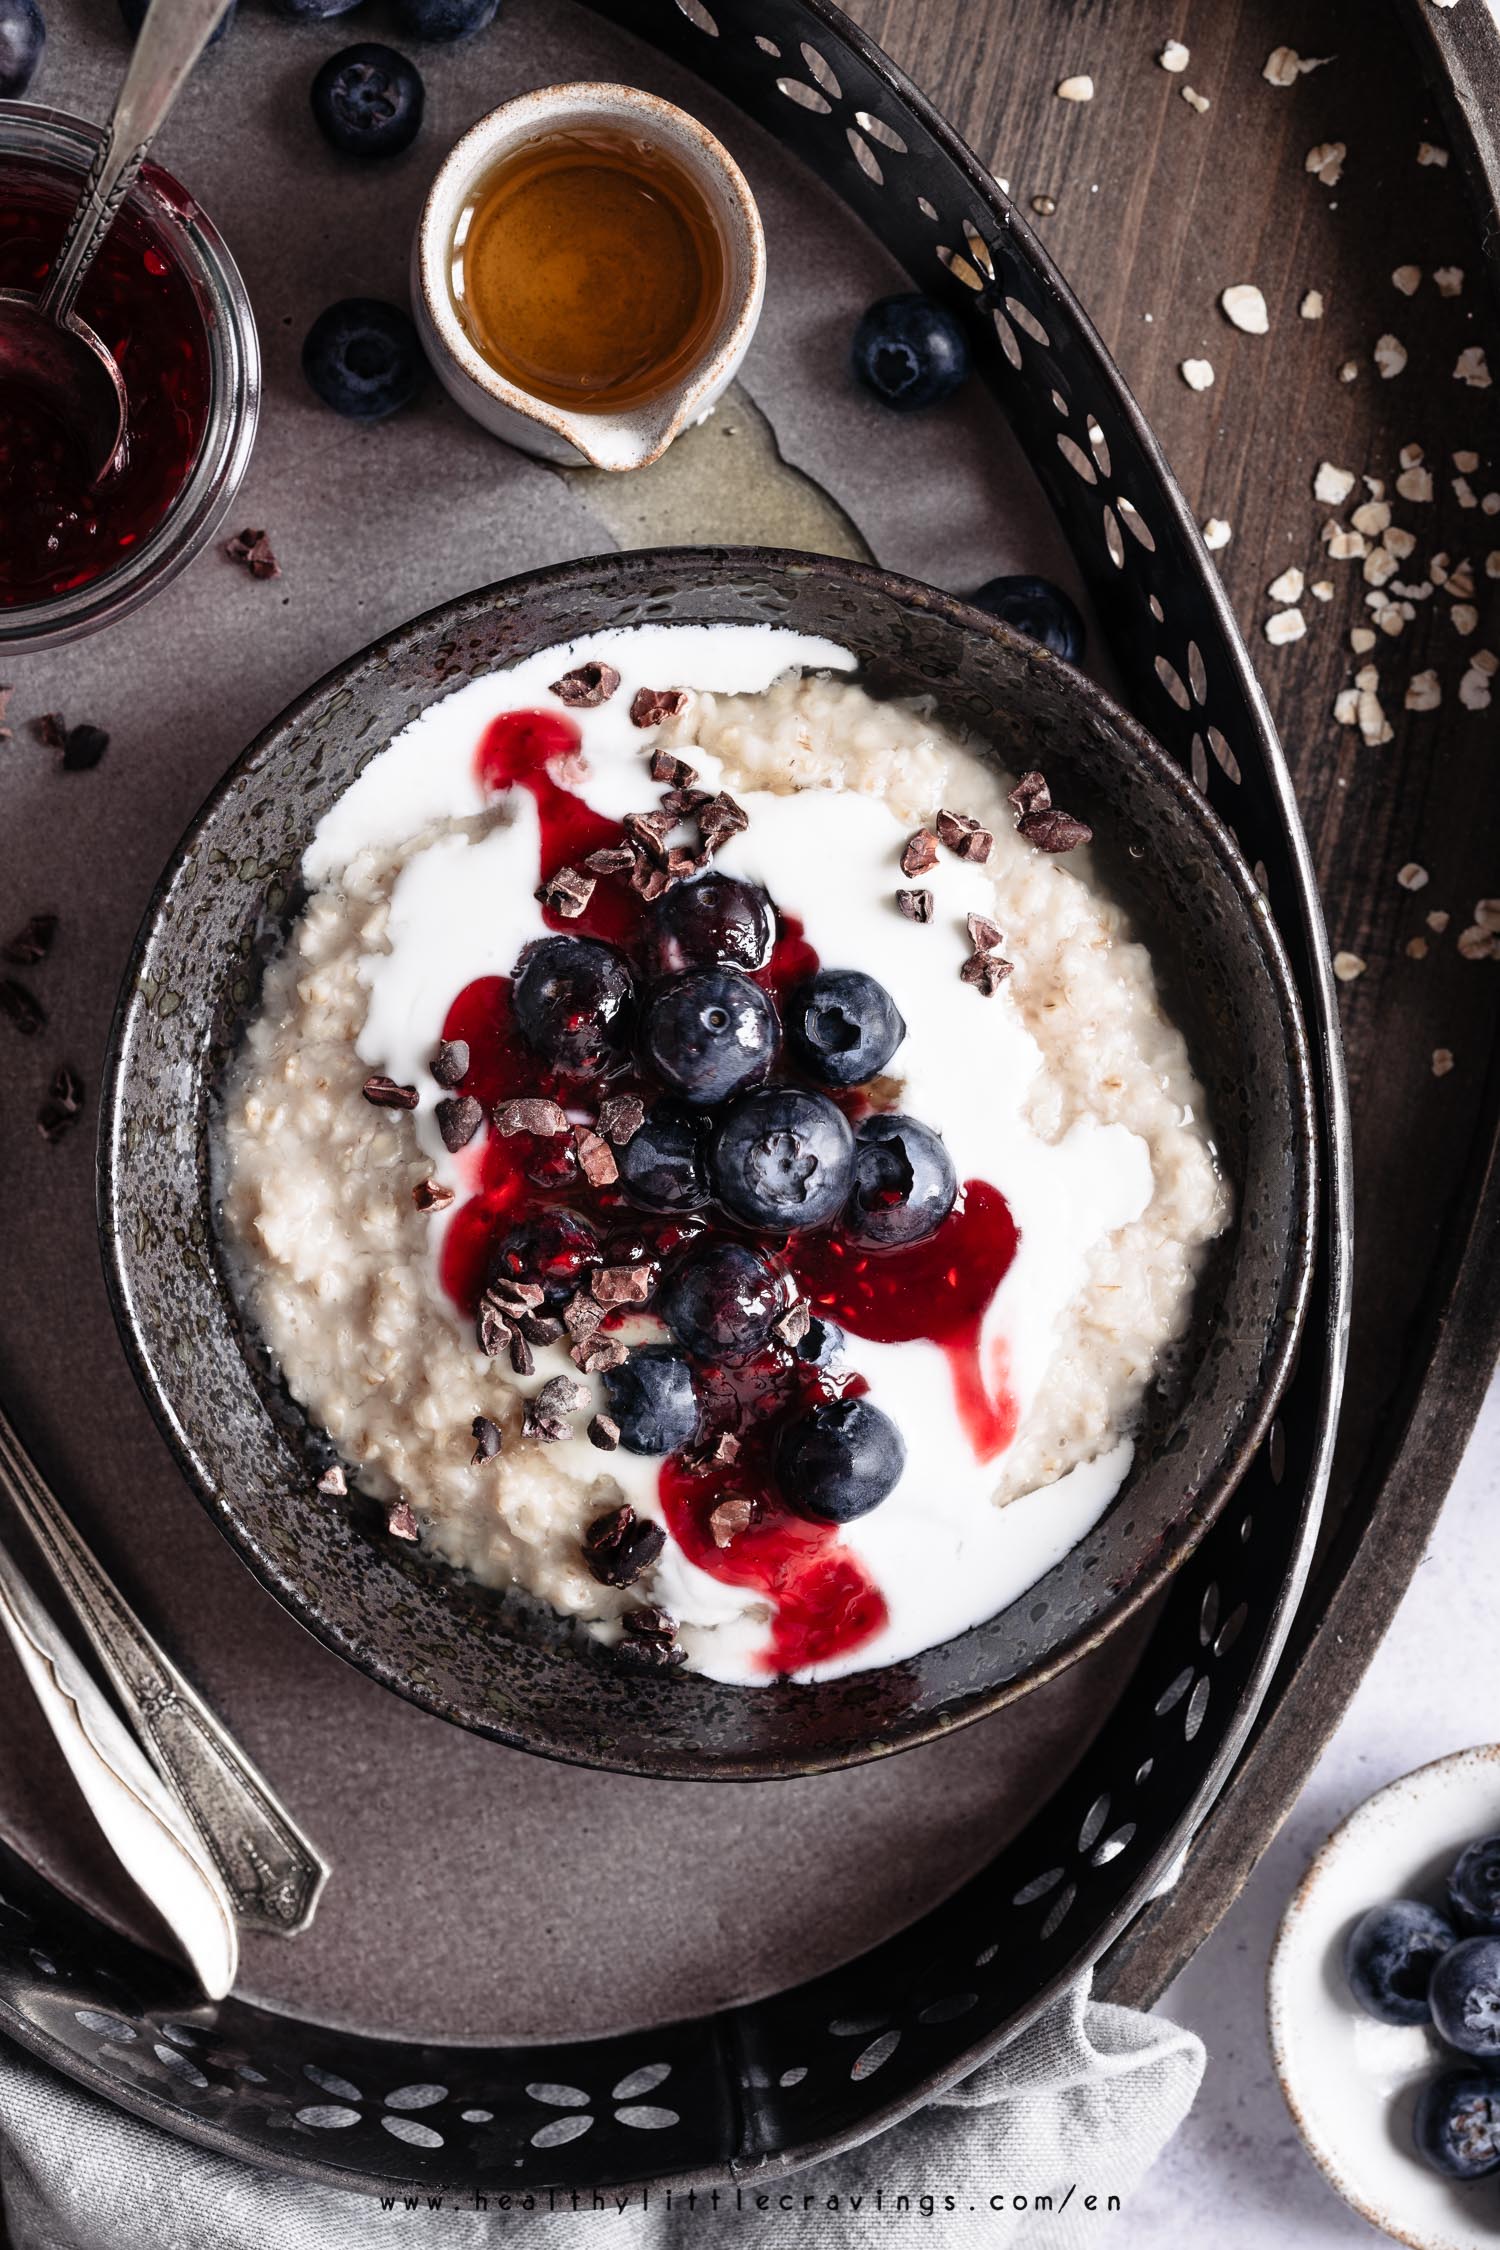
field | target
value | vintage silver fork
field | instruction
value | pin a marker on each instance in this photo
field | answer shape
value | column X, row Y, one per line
column 272, row 1872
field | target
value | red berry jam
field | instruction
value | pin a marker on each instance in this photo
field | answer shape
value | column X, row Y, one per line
column 825, row 1603
column 59, row 532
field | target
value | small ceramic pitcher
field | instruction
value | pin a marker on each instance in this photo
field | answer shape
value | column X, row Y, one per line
column 630, row 438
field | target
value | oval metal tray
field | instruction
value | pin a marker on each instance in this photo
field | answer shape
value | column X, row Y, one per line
column 821, row 2067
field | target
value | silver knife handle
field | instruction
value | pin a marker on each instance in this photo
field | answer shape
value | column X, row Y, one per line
column 272, row 1872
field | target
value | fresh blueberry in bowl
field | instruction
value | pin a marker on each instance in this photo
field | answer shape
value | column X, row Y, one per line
column 1037, row 608
column 842, row 1026
column 717, row 918
column 1390, row 1955
column 904, row 1183
column 1474, row 1888
column 555, row 1250
column 23, row 34
column 909, row 351
column 708, row 1034
column 445, row 19
column 720, row 1299
column 1464, row 1996
column 651, row 1397
column 367, row 100
column 782, row 1160
column 1456, row 2124
column 574, row 1003
column 363, row 359
column 839, row 1460
column 664, row 1164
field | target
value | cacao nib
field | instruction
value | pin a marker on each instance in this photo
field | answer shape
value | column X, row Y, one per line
column 611, row 859
column 915, row 905
column 920, row 853
column 720, row 819
column 595, row 1157
column 384, row 1093
column 1054, row 831
column 83, row 749
column 544, row 1118
column 451, row 1062
column 649, row 706
column 488, row 1440
column 51, row 729
column 649, row 1656
column 1031, row 794
column 622, row 1285
column 458, row 1120
column 964, row 836
column 541, row 1328
column 621, row 1117
column 984, row 935
column 401, row 1523
column 22, row 1006
column 650, row 831
column 729, row 1519
column 620, row 1547
column 549, row 1414
column 987, row 971
column 567, row 892
column 794, row 1322
column 333, row 1483
column 514, row 1299
column 521, row 1358
column 431, row 1195
column 650, row 1624
column 34, row 942
column 253, row 549
column 586, row 686
column 597, row 1354
column 604, row 1432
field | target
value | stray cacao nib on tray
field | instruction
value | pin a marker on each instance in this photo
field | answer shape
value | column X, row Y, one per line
column 586, row 686
column 384, row 1093
column 21, row 1005
column 649, row 706
column 83, row 748
column 51, row 729
column 458, row 1120
column 253, row 549
column 964, row 836
column 64, row 1103
column 451, row 1062
column 32, row 943
column 619, row 1547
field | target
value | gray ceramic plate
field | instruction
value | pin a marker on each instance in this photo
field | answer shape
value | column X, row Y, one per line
column 503, row 1665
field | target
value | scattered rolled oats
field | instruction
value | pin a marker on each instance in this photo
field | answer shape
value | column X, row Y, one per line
column 1427, row 153
column 1332, row 485
column 1416, row 948
column 1474, row 689
column 1415, row 484
column 1245, row 306
column 1466, row 462
column 1476, row 943
column 1346, row 702
column 1344, row 546
column 1487, row 913
column 1348, row 966
column 1076, row 89
column 1492, row 563
column 1311, row 307
column 1288, row 587
column 1198, row 374
column 1408, row 279
column 1473, row 368
column 1326, row 162
column 1442, row 1061
column 1194, row 99
column 1321, row 589
column 1283, row 66
column 1491, row 505
column 1449, row 279
column 1389, row 355
column 1413, row 876
column 1460, row 580
column 1424, row 692
column 1401, row 543
column 1379, row 566
column 1465, row 617
column 1464, row 493
column 1286, row 625
column 1372, row 517
column 1439, row 919
column 1361, row 640
column 1174, row 56
column 1217, row 533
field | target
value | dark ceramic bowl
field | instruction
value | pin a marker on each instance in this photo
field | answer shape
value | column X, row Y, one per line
column 504, row 1665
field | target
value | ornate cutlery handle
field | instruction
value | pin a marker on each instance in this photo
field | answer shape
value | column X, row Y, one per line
column 273, row 1873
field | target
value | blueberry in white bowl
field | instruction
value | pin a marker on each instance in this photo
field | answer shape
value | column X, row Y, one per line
column 1464, row 1996
column 1474, row 1888
column 1456, row 2124
column 843, row 1026
column 1390, row 1958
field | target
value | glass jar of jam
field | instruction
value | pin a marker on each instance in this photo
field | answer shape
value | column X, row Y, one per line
column 164, row 296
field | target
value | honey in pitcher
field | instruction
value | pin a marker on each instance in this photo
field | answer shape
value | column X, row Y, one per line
column 588, row 270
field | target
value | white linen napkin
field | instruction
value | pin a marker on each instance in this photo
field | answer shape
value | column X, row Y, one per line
column 1031, row 2149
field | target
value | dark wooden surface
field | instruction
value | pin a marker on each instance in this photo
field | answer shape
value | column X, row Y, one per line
column 1158, row 209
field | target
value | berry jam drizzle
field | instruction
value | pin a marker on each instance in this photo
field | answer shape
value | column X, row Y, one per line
column 825, row 1603
column 60, row 532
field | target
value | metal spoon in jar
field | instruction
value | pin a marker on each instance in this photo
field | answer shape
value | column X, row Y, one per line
column 44, row 347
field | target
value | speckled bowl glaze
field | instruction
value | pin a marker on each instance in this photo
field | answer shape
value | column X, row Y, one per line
column 503, row 1665
column 1351, row 2083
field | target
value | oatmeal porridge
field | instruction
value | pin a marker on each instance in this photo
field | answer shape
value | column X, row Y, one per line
column 708, row 1155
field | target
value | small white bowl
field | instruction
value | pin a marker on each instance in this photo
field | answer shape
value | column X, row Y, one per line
column 628, row 440
column 1351, row 2083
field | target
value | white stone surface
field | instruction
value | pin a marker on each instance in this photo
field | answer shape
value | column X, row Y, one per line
column 1237, row 2174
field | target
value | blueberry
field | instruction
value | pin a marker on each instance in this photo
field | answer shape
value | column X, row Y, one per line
column 134, row 14
column 708, row 1034
column 1456, row 2125
column 663, row 1165
column 909, row 351
column 556, row 1249
column 1037, row 608
column 782, row 1159
column 363, row 359
column 1389, row 1958
column 1474, row 1889
column 720, row 1299
column 367, row 100
column 842, row 1026
column 839, row 1460
column 822, row 1344
column 23, row 35
column 444, row 19
column 1465, row 1996
column 716, row 918
column 574, row 1003
column 904, row 1184
column 651, row 1396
